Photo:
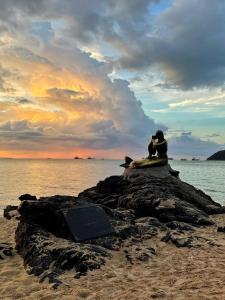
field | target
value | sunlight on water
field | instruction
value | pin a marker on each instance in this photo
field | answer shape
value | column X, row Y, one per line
column 69, row 177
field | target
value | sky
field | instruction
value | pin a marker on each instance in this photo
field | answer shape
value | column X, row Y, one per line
column 99, row 77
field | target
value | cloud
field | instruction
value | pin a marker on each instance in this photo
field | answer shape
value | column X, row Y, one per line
column 23, row 101
column 136, row 38
column 4, row 85
column 188, row 145
column 50, row 78
column 213, row 135
column 186, row 48
column 73, row 101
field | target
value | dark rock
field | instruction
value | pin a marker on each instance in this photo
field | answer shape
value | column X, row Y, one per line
column 144, row 257
column 168, row 200
column 179, row 226
column 6, row 249
column 177, row 241
column 27, row 197
column 10, row 211
column 139, row 207
column 221, row 229
column 174, row 173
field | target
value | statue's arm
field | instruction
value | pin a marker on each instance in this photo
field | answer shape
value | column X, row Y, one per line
column 159, row 144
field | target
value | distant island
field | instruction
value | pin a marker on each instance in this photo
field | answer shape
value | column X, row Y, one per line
column 220, row 155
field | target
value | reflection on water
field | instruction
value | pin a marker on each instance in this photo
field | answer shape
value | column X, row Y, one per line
column 69, row 177
column 50, row 177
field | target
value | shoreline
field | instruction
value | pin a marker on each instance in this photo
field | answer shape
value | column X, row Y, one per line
column 174, row 273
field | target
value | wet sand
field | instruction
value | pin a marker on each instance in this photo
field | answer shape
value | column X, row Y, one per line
column 174, row 273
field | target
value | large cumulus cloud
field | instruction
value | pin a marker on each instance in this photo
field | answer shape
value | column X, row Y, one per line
column 64, row 99
column 49, row 80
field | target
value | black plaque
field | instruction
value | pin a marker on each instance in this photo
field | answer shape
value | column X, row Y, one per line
column 88, row 222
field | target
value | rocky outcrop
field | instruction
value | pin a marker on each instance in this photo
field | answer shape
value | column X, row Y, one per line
column 45, row 242
column 220, row 155
column 155, row 192
column 140, row 204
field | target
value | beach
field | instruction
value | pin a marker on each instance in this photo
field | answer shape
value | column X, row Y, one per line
column 173, row 273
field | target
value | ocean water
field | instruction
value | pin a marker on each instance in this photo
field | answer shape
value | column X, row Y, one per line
column 44, row 177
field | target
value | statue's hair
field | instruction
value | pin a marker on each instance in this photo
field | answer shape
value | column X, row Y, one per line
column 159, row 133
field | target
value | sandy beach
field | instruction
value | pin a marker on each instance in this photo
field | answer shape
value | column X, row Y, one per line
column 174, row 273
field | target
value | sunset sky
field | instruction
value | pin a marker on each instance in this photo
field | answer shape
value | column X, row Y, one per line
column 98, row 77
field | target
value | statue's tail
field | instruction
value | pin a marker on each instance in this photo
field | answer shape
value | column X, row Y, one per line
column 127, row 162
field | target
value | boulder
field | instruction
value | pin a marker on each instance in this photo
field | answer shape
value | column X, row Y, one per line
column 140, row 204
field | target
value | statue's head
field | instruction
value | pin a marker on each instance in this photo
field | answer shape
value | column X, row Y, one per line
column 159, row 134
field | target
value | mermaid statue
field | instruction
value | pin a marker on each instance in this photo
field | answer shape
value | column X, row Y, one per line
column 157, row 149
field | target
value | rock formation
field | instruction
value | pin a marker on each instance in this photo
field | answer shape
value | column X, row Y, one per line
column 141, row 204
column 220, row 155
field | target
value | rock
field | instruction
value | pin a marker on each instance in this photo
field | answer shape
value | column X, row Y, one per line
column 43, row 238
column 220, row 155
column 10, row 211
column 6, row 249
column 179, row 226
column 148, row 192
column 140, row 204
column 27, row 197
column 221, row 229
column 178, row 241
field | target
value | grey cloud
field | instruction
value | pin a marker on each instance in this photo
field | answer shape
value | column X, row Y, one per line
column 23, row 100
column 5, row 85
column 188, row 45
column 28, row 55
column 213, row 135
column 186, row 42
column 63, row 92
column 18, row 126
column 189, row 133
column 20, row 134
column 188, row 145
column 8, row 8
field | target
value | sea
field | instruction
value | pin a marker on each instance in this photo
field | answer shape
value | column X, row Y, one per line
column 47, row 177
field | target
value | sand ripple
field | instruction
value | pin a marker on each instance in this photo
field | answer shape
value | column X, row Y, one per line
column 175, row 273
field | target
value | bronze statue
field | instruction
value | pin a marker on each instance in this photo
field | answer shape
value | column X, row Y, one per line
column 157, row 149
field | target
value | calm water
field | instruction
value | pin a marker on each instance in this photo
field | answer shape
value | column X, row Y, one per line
column 69, row 177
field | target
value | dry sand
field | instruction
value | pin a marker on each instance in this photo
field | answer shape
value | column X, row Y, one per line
column 174, row 273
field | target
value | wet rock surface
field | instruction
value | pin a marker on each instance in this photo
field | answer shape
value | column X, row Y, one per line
column 140, row 207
